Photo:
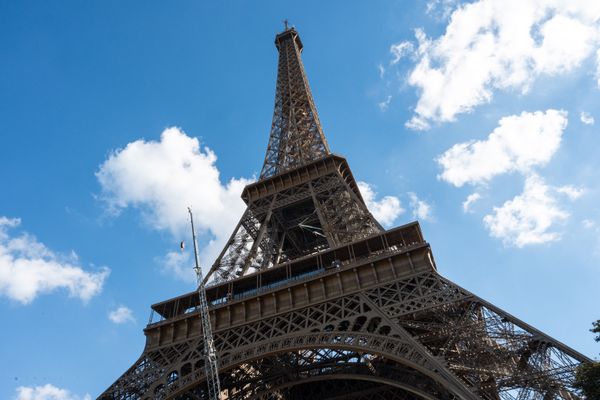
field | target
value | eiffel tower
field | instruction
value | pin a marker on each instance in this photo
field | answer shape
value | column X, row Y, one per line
column 312, row 299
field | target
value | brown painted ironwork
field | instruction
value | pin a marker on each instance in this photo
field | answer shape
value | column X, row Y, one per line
column 296, row 133
column 312, row 298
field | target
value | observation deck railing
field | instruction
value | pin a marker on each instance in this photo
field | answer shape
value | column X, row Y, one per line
column 397, row 240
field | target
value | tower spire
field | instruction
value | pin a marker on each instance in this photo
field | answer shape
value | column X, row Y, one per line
column 296, row 134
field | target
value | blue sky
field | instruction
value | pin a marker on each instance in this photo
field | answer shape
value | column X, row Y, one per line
column 116, row 115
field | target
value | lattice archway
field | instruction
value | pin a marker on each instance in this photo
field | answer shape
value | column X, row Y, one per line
column 341, row 386
column 356, row 356
column 338, row 388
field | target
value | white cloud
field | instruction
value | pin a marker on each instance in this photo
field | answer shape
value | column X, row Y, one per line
column 420, row 209
column 417, row 124
column 588, row 224
column 121, row 315
column 529, row 217
column 47, row 392
column 572, row 192
column 598, row 67
column 180, row 265
column 381, row 70
column 441, row 9
column 9, row 222
column 28, row 268
column 519, row 143
column 491, row 45
column 400, row 50
column 383, row 105
column 472, row 198
column 586, row 118
column 593, row 227
column 162, row 178
column 385, row 210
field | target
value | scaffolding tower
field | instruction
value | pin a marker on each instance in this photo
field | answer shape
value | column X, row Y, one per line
column 210, row 365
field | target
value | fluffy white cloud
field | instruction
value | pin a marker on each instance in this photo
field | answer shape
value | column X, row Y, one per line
column 28, row 268
column 472, row 198
column 420, row 208
column 162, row 178
column 519, row 143
column 586, row 118
column 47, row 392
column 528, row 218
column 121, row 315
column 494, row 45
column 385, row 210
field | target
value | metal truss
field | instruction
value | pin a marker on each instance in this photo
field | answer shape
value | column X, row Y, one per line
column 313, row 299
column 322, row 212
column 420, row 337
column 296, row 133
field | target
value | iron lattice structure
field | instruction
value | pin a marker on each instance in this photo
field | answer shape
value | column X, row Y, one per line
column 312, row 298
column 296, row 133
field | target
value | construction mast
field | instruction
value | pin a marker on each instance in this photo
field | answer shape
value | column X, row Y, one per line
column 210, row 365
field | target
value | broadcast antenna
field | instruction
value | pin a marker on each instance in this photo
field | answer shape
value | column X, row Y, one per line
column 210, row 365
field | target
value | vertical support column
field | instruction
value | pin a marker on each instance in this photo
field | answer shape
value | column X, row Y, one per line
column 259, row 237
column 324, row 223
column 217, row 262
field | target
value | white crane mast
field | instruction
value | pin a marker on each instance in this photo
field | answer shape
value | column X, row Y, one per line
column 210, row 364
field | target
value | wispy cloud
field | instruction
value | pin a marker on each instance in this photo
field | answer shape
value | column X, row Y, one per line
column 28, row 269
column 179, row 265
column 572, row 192
column 470, row 200
column 381, row 70
column 384, row 105
column 593, row 229
column 420, row 209
column 586, row 118
column 121, row 315
column 441, row 9
column 588, row 224
column 400, row 50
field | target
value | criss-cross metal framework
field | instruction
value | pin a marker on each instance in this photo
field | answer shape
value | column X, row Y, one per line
column 296, row 133
column 312, row 299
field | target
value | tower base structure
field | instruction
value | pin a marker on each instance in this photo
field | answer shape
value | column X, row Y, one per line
column 312, row 299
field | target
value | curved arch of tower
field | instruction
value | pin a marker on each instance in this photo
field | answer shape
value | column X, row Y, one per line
column 312, row 298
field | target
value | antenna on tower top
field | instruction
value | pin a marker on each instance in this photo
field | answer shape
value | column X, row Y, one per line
column 285, row 22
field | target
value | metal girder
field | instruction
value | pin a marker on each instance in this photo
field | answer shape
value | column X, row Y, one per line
column 296, row 133
column 321, row 213
column 313, row 299
column 492, row 356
